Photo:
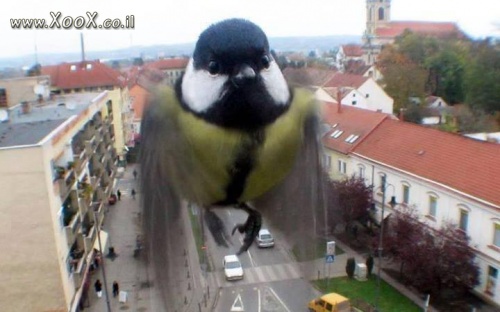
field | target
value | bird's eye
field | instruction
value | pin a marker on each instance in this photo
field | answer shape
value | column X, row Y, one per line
column 213, row 67
column 265, row 61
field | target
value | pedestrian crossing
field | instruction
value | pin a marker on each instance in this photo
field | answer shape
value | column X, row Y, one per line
column 263, row 274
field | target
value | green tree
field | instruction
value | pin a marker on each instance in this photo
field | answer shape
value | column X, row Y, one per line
column 446, row 75
column 403, row 78
column 482, row 76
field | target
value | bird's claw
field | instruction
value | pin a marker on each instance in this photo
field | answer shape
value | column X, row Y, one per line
column 251, row 229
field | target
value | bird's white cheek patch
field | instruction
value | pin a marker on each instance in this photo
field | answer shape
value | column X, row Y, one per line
column 200, row 90
column 276, row 84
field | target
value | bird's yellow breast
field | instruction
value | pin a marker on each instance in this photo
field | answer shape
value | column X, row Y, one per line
column 212, row 151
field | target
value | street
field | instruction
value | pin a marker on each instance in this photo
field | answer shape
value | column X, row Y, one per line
column 272, row 279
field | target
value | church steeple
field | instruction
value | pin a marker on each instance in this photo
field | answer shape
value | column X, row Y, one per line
column 378, row 13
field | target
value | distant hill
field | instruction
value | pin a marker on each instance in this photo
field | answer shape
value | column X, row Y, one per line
column 280, row 44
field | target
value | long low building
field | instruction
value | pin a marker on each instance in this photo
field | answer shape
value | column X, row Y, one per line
column 58, row 166
column 446, row 177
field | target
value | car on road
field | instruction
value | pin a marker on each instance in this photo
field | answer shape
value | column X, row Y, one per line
column 331, row 302
column 232, row 268
column 265, row 239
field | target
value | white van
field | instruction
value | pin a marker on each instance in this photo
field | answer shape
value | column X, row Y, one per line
column 232, row 268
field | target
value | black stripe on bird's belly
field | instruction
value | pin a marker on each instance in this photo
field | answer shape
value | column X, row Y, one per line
column 241, row 168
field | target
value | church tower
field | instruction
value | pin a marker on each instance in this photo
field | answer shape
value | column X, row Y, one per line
column 378, row 13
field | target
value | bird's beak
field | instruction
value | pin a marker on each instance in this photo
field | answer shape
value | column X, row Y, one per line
column 245, row 74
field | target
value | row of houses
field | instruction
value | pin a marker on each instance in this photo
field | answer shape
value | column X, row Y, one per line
column 446, row 177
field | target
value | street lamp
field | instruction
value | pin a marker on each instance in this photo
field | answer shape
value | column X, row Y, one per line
column 392, row 203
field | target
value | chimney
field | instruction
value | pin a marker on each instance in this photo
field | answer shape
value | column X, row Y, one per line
column 339, row 101
column 402, row 114
column 82, row 47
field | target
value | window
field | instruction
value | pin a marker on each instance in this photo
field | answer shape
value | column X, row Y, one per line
column 336, row 134
column 368, row 95
column 491, row 282
column 464, row 220
column 354, row 102
column 496, row 235
column 342, row 166
column 381, row 14
column 382, row 181
column 432, row 205
column 406, row 194
column 329, row 307
column 361, row 171
column 327, row 161
column 3, row 98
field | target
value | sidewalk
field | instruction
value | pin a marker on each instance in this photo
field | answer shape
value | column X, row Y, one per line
column 122, row 223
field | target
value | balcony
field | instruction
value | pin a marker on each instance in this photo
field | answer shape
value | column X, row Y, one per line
column 71, row 229
column 89, row 235
column 83, row 204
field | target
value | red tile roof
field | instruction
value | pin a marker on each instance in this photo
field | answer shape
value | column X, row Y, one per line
column 351, row 120
column 171, row 63
column 346, row 80
column 333, row 92
column 83, row 74
column 306, row 77
column 461, row 163
column 143, row 75
column 438, row 29
column 352, row 50
column 356, row 67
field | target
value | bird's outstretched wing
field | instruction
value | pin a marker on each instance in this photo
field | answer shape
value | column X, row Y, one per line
column 297, row 206
column 161, row 148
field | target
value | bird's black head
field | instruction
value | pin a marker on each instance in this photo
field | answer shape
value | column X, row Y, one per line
column 232, row 79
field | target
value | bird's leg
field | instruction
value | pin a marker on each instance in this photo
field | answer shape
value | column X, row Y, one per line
column 251, row 227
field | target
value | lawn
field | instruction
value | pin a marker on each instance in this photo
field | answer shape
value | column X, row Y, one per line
column 390, row 299
column 314, row 251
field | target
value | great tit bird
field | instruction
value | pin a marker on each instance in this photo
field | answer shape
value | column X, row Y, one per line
column 231, row 133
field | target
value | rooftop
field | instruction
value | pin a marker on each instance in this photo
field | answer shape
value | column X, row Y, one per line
column 348, row 126
column 437, row 29
column 352, row 50
column 460, row 163
column 306, row 77
column 346, row 80
column 84, row 74
column 31, row 122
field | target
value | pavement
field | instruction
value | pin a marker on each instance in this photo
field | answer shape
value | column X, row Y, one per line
column 122, row 223
column 198, row 290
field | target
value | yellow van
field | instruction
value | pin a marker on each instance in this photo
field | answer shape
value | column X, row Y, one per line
column 332, row 302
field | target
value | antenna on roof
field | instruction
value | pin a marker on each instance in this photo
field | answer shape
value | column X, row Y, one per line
column 82, row 47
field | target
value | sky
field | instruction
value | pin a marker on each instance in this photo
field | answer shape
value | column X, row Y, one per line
column 168, row 21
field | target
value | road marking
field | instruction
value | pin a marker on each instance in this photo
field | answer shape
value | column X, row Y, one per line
column 268, row 270
column 279, row 299
column 294, row 273
column 251, row 259
column 260, row 276
column 258, row 293
column 237, row 305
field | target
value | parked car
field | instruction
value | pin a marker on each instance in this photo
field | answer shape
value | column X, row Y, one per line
column 232, row 268
column 265, row 239
column 331, row 302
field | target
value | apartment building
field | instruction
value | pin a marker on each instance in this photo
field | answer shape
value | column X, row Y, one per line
column 58, row 166
column 94, row 76
column 446, row 178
